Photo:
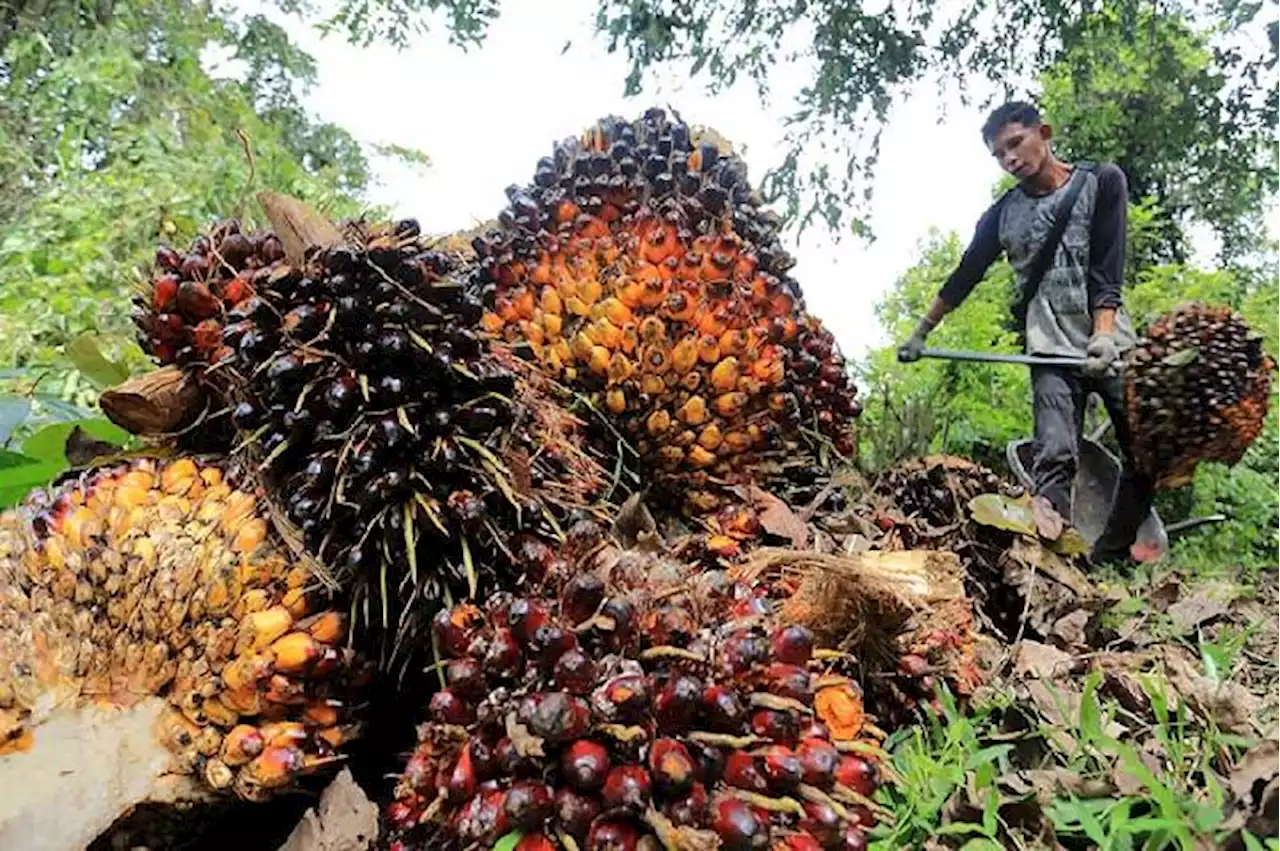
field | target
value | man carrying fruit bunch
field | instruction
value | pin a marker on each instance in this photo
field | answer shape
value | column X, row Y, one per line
column 1063, row 230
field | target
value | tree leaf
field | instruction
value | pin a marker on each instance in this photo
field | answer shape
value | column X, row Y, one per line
column 13, row 413
column 87, row 356
column 993, row 509
column 508, row 842
column 1183, row 357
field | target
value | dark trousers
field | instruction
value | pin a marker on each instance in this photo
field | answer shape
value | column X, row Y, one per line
column 1059, row 400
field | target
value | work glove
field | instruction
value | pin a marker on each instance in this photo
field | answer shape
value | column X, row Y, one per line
column 1101, row 355
column 910, row 350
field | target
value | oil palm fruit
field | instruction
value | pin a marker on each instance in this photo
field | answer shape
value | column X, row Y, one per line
column 415, row 461
column 182, row 312
column 161, row 578
column 640, row 269
column 1197, row 387
column 638, row 697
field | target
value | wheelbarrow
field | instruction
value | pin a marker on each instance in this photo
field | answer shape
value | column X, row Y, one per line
column 1097, row 474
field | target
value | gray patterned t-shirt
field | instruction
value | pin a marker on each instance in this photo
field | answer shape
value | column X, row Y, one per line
column 1087, row 269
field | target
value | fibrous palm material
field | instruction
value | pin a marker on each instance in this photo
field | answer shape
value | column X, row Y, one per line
column 1197, row 386
column 161, row 578
column 640, row 269
column 636, row 697
column 410, row 459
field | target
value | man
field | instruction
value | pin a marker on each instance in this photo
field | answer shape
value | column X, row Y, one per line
column 1074, row 311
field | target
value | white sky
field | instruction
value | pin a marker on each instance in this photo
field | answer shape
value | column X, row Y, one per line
column 485, row 117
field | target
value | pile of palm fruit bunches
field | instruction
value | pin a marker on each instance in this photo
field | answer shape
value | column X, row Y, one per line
column 410, row 455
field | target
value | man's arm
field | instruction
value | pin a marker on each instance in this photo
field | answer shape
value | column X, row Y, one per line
column 983, row 250
column 1107, row 238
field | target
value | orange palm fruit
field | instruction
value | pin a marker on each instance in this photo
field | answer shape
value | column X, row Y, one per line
column 694, row 411
column 724, row 375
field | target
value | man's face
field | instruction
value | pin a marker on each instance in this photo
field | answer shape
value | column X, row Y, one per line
column 1021, row 150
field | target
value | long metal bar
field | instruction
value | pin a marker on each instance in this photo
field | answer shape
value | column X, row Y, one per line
column 988, row 357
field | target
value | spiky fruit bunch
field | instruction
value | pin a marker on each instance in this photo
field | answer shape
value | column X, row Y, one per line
column 182, row 312
column 640, row 268
column 1197, row 386
column 406, row 452
column 636, row 703
column 160, row 578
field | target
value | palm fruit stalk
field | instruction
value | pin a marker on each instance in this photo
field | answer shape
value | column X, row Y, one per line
column 409, row 459
column 1197, row 388
column 637, row 699
column 640, row 269
column 157, row 581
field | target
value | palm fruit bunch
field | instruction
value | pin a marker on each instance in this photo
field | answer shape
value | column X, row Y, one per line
column 640, row 268
column 403, row 451
column 637, row 700
column 183, row 309
column 160, row 578
column 1197, row 387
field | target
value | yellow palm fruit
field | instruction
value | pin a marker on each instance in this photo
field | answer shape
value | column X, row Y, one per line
column 694, row 411
column 198, row 606
column 691, row 381
column 652, row 384
column 724, row 375
column 729, row 405
column 598, row 363
column 577, row 306
column 616, row 312
column 581, row 346
column 615, row 400
column 735, row 442
column 620, row 368
column 734, row 342
column 657, row 423
column 652, row 330
column 550, row 301
column 654, row 358
column 533, row 332
column 589, row 288
column 700, row 457
column 552, row 324
column 630, row 339
column 684, row 356
column 686, row 438
column 710, row 437
column 670, row 457
column 708, row 349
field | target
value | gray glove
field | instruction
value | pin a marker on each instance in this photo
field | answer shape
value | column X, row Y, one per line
column 909, row 351
column 1101, row 355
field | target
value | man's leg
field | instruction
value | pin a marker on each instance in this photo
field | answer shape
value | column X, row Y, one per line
column 1135, row 492
column 1057, row 406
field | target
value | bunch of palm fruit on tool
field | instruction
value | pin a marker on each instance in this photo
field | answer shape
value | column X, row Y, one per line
column 1198, row 386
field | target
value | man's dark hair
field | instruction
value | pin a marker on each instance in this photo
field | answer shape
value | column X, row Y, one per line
column 1013, row 112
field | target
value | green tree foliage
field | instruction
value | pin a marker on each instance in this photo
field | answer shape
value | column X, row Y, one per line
column 114, row 136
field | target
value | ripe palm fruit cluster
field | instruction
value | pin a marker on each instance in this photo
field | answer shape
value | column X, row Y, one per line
column 184, row 309
column 637, row 701
column 396, row 443
column 160, row 578
column 639, row 267
column 1197, row 386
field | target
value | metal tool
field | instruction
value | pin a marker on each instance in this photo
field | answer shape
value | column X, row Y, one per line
column 987, row 357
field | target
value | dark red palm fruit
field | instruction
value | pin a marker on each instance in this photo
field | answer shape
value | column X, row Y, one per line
column 164, row 289
column 168, row 259
column 861, row 815
column 402, row 814
column 555, row 715
column 741, row 772
column 854, row 839
column 710, row 760
column 621, row 614
column 738, row 826
column 236, row 290
column 466, row 678
column 671, row 767
column 502, row 657
column 195, row 301
column 535, row 842
column 816, row 730
column 524, row 616
column 612, row 836
column 194, row 267
column 455, row 628
column 447, row 707
column 782, row 770
column 483, row 758
column 418, row 772
column 722, row 709
column 798, row 842
column 791, row 681
column 913, row 665
column 484, row 819
column 509, row 761
column 585, row 765
column 625, row 698
column 206, row 337
column 549, row 643
column 575, row 812
column 668, row 626
column 462, row 779
column 818, row 760
column 528, row 805
column 581, row 597
column 823, row 823
column 575, row 673
column 858, row 774
column 743, row 650
column 690, row 810
column 775, row 725
column 627, row 787
column 792, row 644
column 676, row 706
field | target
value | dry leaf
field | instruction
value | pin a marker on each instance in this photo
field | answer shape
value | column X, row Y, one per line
column 1049, row 522
column 1070, row 627
column 159, row 402
column 1191, row 612
column 777, row 518
column 633, row 520
column 1033, row 659
column 298, row 225
column 345, row 820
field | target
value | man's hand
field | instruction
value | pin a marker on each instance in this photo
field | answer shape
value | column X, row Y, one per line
column 909, row 351
column 1101, row 355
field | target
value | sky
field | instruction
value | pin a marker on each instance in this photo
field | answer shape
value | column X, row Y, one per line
column 486, row 115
